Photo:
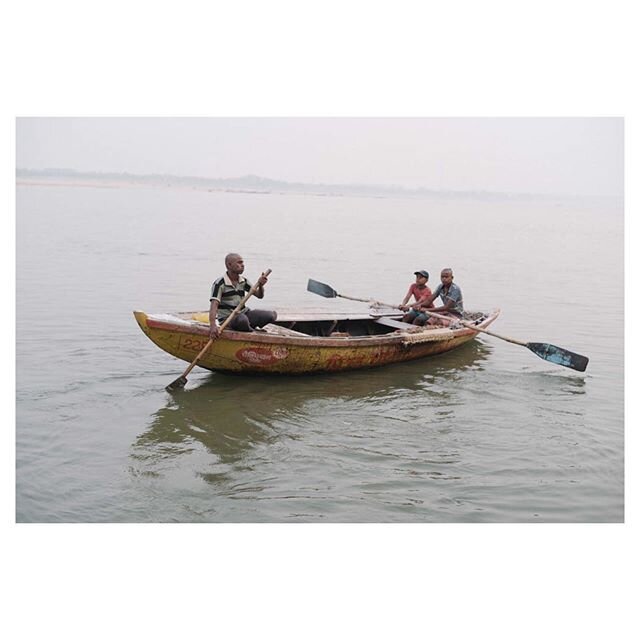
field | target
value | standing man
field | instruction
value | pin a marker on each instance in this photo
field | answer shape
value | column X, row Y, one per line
column 451, row 296
column 226, row 294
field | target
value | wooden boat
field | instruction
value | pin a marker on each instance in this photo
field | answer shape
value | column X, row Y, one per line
column 306, row 341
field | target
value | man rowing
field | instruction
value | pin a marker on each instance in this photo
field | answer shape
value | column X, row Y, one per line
column 226, row 294
column 418, row 290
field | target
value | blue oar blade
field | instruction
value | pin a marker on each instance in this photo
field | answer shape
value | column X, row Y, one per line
column 559, row 356
column 321, row 289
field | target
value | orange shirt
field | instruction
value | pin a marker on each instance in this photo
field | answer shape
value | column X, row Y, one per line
column 420, row 293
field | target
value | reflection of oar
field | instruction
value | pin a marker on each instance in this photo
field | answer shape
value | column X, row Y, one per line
column 543, row 350
column 179, row 382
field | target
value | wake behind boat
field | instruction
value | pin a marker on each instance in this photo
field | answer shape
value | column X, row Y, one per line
column 304, row 342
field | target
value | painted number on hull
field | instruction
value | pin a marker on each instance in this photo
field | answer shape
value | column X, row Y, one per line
column 194, row 344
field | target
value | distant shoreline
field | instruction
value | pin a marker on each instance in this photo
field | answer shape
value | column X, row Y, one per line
column 262, row 186
column 39, row 182
column 120, row 184
column 78, row 182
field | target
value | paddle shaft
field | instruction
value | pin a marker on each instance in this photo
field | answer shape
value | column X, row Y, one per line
column 475, row 328
column 223, row 326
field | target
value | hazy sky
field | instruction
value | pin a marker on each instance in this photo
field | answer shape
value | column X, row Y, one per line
column 582, row 156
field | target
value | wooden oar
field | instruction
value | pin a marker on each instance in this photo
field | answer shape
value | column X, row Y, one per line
column 326, row 291
column 179, row 382
column 543, row 350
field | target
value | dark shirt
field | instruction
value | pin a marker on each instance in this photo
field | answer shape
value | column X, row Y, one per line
column 454, row 293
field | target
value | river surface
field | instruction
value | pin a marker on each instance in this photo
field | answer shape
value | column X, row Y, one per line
column 486, row 433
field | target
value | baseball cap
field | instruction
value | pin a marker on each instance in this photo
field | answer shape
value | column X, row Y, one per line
column 422, row 272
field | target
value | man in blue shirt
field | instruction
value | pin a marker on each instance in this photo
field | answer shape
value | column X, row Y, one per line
column 451, row 296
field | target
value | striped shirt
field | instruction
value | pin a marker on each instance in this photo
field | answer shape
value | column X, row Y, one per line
column 227, row 295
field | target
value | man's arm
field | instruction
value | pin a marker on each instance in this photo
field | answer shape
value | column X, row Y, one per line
column 262, row 280
column 403, row 304
column 448, row 305
column 426, row 303
column 214, row 330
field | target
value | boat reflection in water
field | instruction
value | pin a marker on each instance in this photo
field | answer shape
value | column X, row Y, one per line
column 228, row 416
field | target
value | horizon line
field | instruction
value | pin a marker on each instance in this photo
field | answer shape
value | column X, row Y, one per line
column 61, row 171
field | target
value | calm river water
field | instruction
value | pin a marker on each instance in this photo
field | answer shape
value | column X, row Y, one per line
column 487, row 433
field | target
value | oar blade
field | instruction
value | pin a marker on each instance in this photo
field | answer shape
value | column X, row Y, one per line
column 559, row 356
column 321, row 289
column 177, row 384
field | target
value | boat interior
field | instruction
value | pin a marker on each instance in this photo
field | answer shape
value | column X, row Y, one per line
column 326, row 325
column 337, row 328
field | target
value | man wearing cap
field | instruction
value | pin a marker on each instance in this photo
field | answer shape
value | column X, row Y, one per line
column 420, row 291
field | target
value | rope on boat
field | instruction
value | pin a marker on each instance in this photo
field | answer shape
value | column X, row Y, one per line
column 427, row 335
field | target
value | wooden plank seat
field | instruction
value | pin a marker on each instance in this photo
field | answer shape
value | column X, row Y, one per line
column 277, row 330
column 395, row 324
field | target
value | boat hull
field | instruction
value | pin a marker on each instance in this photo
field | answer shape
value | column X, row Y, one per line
column 261, row 353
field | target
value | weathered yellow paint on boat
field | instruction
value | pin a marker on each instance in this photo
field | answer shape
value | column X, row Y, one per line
column 266, row 353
